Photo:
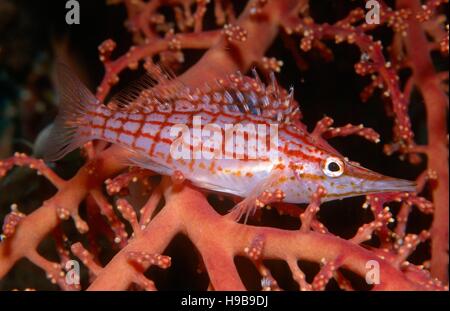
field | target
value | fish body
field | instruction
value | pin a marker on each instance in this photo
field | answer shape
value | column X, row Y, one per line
column 156, row 122
column 148, row 135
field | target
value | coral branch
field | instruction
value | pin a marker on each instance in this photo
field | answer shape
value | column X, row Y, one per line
column 202, row 40
column 44, row 219
column 323, row 128
column 436, row 102
column 21, row 159
column 86, row 258
column 191, row 207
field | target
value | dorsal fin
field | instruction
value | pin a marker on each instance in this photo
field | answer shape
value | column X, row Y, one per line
column 157, row 83
column 234, row 93
column 247, row 95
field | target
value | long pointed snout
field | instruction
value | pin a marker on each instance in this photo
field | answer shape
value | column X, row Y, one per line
column 372, row 182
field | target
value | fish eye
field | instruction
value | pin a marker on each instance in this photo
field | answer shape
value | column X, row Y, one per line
column 333, row 167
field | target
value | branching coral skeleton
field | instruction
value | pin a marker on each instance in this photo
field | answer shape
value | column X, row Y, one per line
column 186, row 209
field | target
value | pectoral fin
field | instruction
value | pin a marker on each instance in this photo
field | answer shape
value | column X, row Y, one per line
column 262, row 194
column 144, row 161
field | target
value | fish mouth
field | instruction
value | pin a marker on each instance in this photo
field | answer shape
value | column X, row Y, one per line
column 389, row 185
column 372, row 182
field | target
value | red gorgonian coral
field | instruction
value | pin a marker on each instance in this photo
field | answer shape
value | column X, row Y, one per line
column 140, row 213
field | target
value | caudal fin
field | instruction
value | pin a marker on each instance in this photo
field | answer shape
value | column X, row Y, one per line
column 70, row 126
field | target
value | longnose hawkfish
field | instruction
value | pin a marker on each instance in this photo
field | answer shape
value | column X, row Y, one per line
column 142, row 117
